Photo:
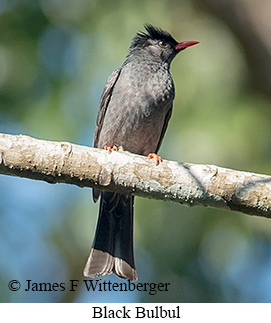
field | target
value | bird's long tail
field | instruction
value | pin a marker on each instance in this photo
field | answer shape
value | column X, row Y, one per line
column 112, row 249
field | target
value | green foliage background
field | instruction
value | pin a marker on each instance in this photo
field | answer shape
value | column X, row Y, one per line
column 55, row 57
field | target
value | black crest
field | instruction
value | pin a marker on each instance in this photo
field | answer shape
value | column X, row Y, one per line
column 153, row 33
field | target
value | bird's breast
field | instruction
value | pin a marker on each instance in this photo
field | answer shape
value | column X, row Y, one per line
column 136, row 112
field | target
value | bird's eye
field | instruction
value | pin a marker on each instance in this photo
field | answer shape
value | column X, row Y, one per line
column 162, row 44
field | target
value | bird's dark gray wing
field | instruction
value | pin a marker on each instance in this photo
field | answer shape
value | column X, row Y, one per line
column 105, row 99
column 167, row 117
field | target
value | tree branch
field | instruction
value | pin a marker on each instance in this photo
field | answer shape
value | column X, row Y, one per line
column 203, row 185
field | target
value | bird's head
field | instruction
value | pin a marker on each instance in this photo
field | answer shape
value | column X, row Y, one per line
column 159, row 44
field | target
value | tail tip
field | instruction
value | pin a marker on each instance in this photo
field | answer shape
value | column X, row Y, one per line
column 101, row 263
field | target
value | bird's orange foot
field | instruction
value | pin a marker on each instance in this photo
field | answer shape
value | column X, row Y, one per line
column 114, row 148
column 157, row 158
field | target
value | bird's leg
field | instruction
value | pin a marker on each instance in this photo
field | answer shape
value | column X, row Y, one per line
column 114, row 148
column 157, row 158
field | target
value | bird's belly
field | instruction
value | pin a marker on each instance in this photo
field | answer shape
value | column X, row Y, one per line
column 137, row 130
column 143, row 137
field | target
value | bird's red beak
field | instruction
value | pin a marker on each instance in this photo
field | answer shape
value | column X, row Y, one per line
column 183, row 44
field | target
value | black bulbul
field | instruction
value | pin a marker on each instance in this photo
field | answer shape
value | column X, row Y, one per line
column 134, row 111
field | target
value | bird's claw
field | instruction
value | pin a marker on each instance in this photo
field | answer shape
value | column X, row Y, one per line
column 114, row 148
column 157, row 158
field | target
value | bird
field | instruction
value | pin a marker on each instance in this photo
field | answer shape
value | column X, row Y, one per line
column 134, row 111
